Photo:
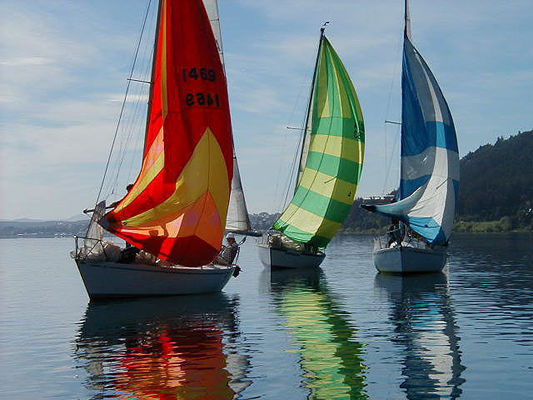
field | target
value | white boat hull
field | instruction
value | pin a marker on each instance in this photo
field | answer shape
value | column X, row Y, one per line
column 409, row 260
column 279, row 258
column 110, row 279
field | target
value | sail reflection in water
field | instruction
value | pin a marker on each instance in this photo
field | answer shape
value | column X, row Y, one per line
column 331, row 357
column 426, row 330
column 185, row 348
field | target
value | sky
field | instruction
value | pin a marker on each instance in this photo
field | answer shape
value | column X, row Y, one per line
column 64, row 65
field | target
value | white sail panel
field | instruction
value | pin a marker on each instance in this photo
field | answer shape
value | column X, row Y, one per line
column 237, row 219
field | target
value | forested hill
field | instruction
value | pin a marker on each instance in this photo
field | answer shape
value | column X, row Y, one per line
column 497, row 182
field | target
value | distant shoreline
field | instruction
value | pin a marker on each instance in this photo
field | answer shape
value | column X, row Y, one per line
column 343, row 233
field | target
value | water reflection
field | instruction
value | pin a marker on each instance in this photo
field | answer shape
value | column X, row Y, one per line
column 167, row 348
column 331, row 357
column 426, row 330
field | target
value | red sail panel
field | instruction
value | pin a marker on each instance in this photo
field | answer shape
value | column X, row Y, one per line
column 177, row 207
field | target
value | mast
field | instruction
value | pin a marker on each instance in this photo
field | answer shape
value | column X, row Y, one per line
column 301, row 160
column 156, row 43
column 407, row 18
column 407, row 35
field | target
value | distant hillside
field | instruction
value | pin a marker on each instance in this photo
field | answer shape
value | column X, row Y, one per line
column 497, row 183
column 35, row 228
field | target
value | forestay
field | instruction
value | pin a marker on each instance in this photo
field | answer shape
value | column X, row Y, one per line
column 334, row 157
column 237, row 219
column 429, row 184
column 177, row 207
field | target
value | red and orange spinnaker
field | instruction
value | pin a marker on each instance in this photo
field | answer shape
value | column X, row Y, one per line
column 177, row 207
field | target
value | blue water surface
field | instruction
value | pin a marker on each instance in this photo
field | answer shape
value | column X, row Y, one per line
column 341, row 332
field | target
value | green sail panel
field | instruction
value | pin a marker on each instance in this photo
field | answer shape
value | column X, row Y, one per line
column 328, row 184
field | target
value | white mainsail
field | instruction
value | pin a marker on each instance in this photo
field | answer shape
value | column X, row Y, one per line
column 237, row 219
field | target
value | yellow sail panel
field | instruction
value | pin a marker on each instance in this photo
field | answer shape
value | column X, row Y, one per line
column 178, row 215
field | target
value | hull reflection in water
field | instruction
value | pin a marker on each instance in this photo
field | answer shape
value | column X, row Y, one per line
column 331, row 357
column 163, row 348
column 426, row 331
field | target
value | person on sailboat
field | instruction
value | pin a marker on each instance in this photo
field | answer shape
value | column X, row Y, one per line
column 395, row 236
column 229, row 251
column 394, row 231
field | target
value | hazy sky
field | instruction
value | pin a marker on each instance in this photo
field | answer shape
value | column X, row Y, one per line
column 64, row 64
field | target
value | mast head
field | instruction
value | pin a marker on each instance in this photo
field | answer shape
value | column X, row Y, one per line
column 323, row 28
column 407, row 18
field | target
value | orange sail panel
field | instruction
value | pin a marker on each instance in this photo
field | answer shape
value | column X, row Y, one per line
column 176, row 209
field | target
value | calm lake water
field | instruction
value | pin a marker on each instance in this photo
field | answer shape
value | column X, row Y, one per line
column 343, row 332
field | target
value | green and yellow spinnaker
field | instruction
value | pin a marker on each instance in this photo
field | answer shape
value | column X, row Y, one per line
column 332, row 162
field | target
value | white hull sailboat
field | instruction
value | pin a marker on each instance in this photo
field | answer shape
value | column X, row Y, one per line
column 429, row 184
column 402, row 260
column 411, row 256
column 188, row 192
column 112, row 279
column 286, row 258
column 331, row 159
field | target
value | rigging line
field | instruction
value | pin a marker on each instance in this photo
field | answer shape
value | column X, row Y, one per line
column 302, row 87
column 132, row 115
column 130, row 136
column 139, row 99
column 140, row 112
column 390, row 156
column 295, row 169
column 136, row 145
column 125, row 144
column 308, row 119
column 139, row 80
column 128, row 124
column 292, row 172
column 124, row 102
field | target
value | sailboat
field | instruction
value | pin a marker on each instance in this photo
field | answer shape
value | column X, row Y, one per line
column 176, row 211
column 330, row 164
column 429, row 184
